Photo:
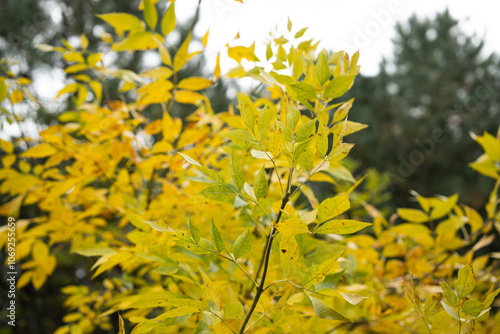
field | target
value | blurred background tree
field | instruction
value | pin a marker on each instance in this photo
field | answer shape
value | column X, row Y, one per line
column 436, row 88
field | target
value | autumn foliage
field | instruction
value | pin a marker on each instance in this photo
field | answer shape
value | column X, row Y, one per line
column 212, row 223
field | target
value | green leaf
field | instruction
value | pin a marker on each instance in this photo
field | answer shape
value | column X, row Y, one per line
column 325, row 312
column 260, row 184
column 305, row 131
column 449, row 294
column 219, row 192
column 194, row 231
column 236, row 172
column 168, row 20
column 181, row 55
column 214, row 233
column 234, row 311
column 341, row 226
column 317, row 273
column 322, row 68
column 303, row 90
column 413, row 215
column 292, row 117
column 242, row 246
column 150, row 14
column 473, row 307
column 338, row 86
column 242, row 138
column 247, row 110
column 332, row 207
column 465, row 282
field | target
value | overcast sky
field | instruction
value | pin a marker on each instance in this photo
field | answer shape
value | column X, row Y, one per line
column 366, row 25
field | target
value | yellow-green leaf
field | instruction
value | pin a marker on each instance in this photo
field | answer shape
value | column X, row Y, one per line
column 150, row 14
column 260, row 184
column 332, row 207
column 338, row 86
column 465, row 282
column 219, row 192
column 214, row 233
column 242, row 246
column 121, row 325
column 236, row 172
column 341, row 226
column 325, row 312
column 234, row 311
column 168, row 20
column 242, row 138
column 317, row 273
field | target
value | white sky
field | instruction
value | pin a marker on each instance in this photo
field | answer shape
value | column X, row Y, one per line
column 338, row 24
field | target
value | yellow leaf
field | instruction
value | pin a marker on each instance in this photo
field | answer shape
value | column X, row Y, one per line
column 181, row 56
column 70, row 88
column 8, row 160
column 210, row 289
column 150, row 14
column 289, row 254
column 16, row 96
column 291, row 227
column 97, row 88
column 153, row 127
column 73, row 56
column 84, row 41
column 155, row 92
column 143, row 40
column 204, row 40
column 24, row 166
column 187, row 97
column 40, row 151
column 195, row 83
column 11, row 208
column 217, row 67
column 122, row 22
column 76, row 68
column 6, row 146
column 413, row 215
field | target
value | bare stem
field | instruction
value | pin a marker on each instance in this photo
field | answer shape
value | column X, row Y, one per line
column 266, row 256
